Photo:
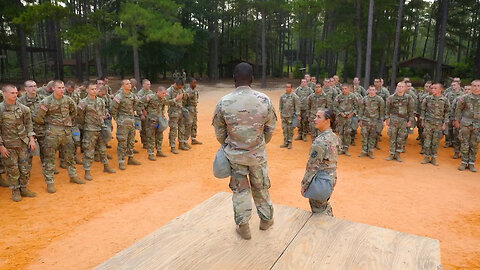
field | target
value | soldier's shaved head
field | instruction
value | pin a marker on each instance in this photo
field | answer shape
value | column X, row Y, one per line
column 243, row 74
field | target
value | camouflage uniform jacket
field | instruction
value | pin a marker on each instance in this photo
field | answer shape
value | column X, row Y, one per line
column 345, row 104
column 303, row 94
column 144, row 92
column 33, row 104
column 414, row 95
column 56, row 112
column 91, row 113
column 15, row 124
column 154, row 105
column 467, row 112
column 174, row 106
column 316, row 102
column 452, row 98
column 244, row 121
column 323, row 157
column 383, row 93
column 372, row 108
column 435, row 109
column 331, row 91
column 400, row 107
column 312, row 86
column 289, row 104
column 124, row 105
column 43, row 93
column 359, row 90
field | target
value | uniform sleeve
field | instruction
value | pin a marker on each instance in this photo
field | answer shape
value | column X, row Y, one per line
column 446, row 112
column 169, row 97
column 296, row 102
column 73, row 109
column 387, row 107
column 41, row 112
column 280, row 105
column 355, row 104
column 411, row 109
column 382, row 109
column 114, row 107
column 219, row 124
column 459, row 109
column 27, row 121
column 423, row 108
column 335, row 106
column 361, row 108
column 309, row 104
column 317, row 153
column 270, row 123
column 81, row 113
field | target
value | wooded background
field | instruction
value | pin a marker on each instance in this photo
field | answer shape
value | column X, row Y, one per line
column 81, row 39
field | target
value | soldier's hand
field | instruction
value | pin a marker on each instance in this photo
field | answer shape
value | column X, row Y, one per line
column 444, row 126
column 142, row 116
column 387, row 121
column 4, row 152
column 350, row 115
column 422, row 123
column 360, row 123
column 456, row 124
column 409, row 123
column 32, row 145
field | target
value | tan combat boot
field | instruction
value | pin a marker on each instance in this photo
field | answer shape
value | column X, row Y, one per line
column 397, row 157
column 425, row 160
column 471, row 167
column 108, row 169
column 195, row 141
column 390, row 158
column 462, row 166
column 362, row 154
column 121, row 165
column 434, row 161
column 16, row 196
column 285, row 145
column 456, row 155
column 244, row 231
column 132, row 161
column 76, row 180
column 346, row 152
column 109, row 156
column 370, row 155
column 152, row 157
column 161, row 154
column 88, row 176
column 182, row 146
column 51, row 188
column 265, row 224
column 289, row 145
column 186, row 145
column 135, row 151
column 25, row 192
column 3, row 182
column 174, row 150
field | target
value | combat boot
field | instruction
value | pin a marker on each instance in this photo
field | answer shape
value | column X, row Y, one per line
column 25, row 192
column 194, row 141
column 265, row 224
column 434, row 161
column 397, row 157
column 456, row 155
column 51, row 188
column 16, row 196
column 63, row 165
column 152, row 157
column 370, row 155
column 299, row 137
column 97, row 158
column 108, row 169
column 285, row 145
column 135, row 151
column 109, row 146
column 3, row 182
column 78, row 160
column 346, row 152
column 109, row 156
column 76, row 180
column 88, row 176
column 289, row 145
column 362, row 154
column 181, row 146
column 186, row 145
column 121, row 165
column 132, row 161
column 377, row 147
column 472, row 168
column 425, row 160
column 244, row 231
column 447, row 145
column 161, row 154
column 304, row 138
column 174, row 150
column 462, row 166
column 390, row 158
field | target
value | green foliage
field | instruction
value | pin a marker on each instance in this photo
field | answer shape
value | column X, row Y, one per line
column 35, row 13
column 81, row 35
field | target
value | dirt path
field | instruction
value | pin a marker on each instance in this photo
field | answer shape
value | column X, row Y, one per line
column 82, row 225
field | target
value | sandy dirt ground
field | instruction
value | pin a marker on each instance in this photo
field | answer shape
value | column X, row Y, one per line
column 80, row 226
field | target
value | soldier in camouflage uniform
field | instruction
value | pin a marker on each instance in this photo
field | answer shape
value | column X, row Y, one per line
column 153, row 108
column 109, row 89
column 134, row 83
column 449, row 89
column 453, row 134
column 289, row 107
column 76, row 129
column 122, row 110
column 371, row 112
column 467, row 119
column 421, row 96
column 190, row 105
column 244, row 122
column 399, row 116
column 47, row 90
column 91, row 114
column 143, row 92
column 107, row 126
column 355, row 120
column 345, row 106
column 434, row 116
column 315, row 102
column 57, row 112
column 412, row 92
column 357, row 88
column 329, row 89
column 323, row 157
column 303, row 91
column 175, row 98
column 384, row 94
column 16, row 140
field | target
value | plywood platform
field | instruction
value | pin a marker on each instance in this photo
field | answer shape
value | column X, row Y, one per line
column 205, row 238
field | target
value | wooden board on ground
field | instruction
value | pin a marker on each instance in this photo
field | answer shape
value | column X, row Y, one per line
column 205, row 238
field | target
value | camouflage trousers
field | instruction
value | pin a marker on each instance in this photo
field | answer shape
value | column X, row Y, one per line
column 469, row 138
column 344, row 130
column 259, row 183
column 420, row 131
column 449, row 132
column 58, row 138
column 354, row 126
column 17, row 166
column 188, row 123
column 432, row 133
column 369, row 135
column 143, row 132
column 321, row 207
column 287, row 127
column 153, row 136
column 92, row 141
column 126, row 139
column 40, row 140
column 177, row 129
column 194, row 125
column 397, row 131
column 303, row 124
column 456, row 140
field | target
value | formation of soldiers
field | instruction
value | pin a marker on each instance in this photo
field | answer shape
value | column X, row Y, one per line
column 453, row 113
column 62, row 118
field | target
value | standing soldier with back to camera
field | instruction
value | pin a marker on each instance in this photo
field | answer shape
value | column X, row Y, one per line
column 175, row 100
column 289, row 107
column 345, row 106
column 371, row 112
column 303, row 91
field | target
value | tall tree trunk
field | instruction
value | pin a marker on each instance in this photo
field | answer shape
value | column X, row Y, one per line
column 441, row 45
column 428, row 35
column 477, row 59
column 415, row 36
column 368, row 53
column 23, row 52
column 136, row 68
column 78, row 65
column 396, row 46
column 437, row 28
column 98, row 60
column 358, row 37
column 215, row 49
column 264, row 52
